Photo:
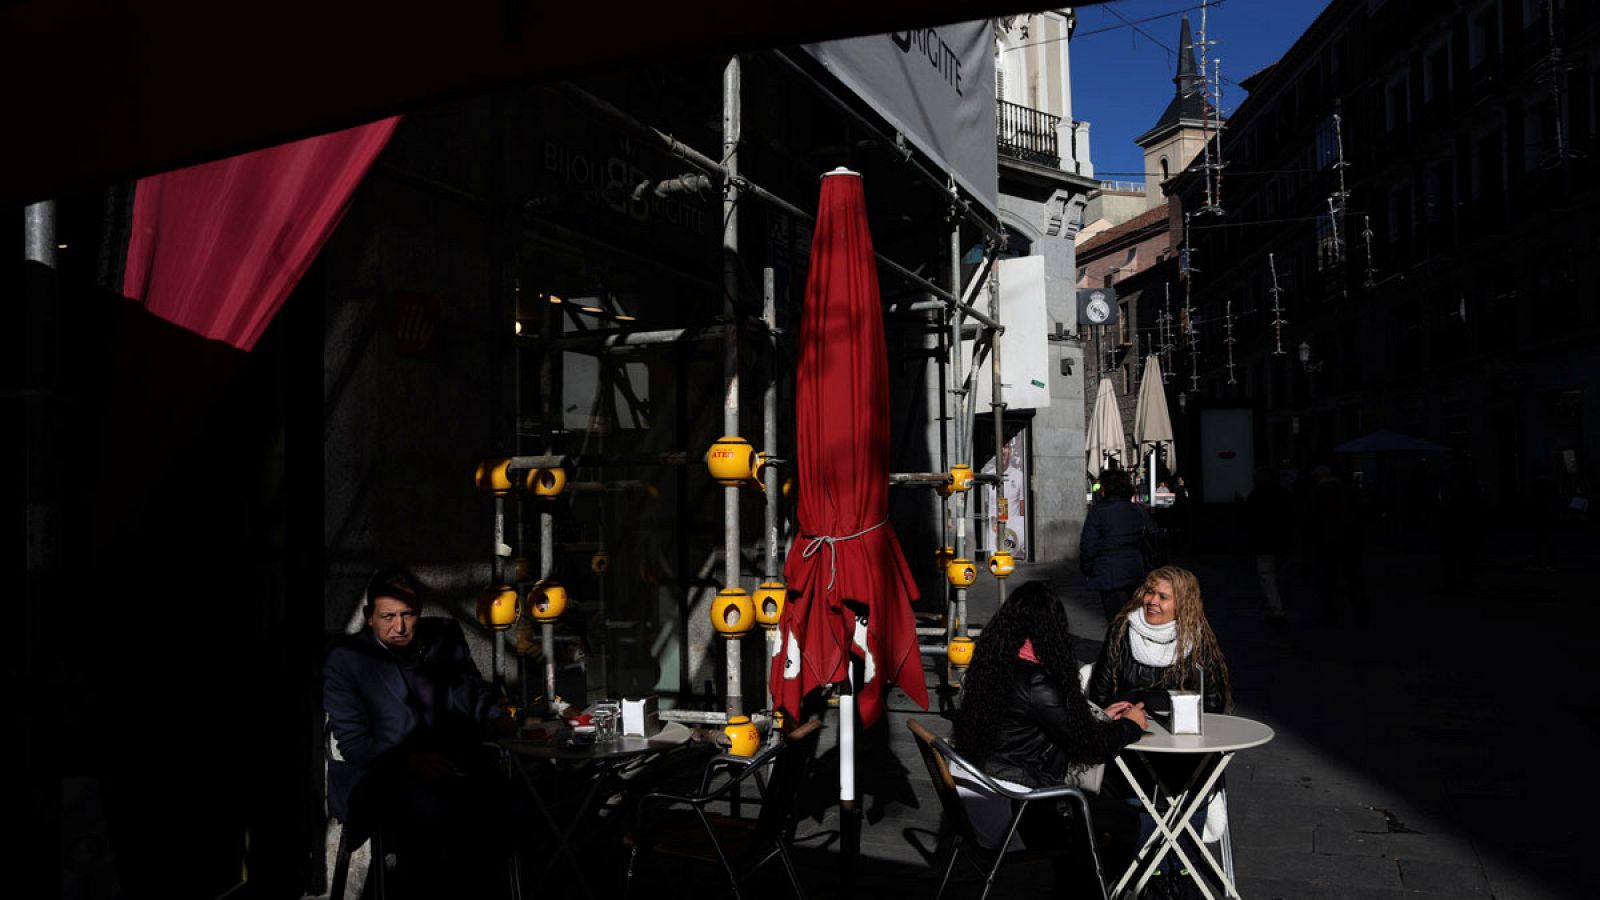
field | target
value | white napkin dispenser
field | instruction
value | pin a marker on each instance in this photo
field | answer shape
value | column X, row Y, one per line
column 1187, row 712
column 640, row 718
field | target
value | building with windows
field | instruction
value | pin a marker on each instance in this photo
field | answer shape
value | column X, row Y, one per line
column 1407, row 241
column 1131, row 243
column 1045, row 180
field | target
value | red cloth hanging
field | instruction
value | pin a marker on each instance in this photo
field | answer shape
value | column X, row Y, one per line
column 846, row 554
column 216, row 248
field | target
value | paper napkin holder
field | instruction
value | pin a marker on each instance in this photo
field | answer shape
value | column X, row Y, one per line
column 1187, row 713
column 640, row 718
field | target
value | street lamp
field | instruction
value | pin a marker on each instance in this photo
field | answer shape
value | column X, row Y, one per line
column 1305, row 359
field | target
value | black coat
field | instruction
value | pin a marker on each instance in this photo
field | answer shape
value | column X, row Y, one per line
column 1046, row 727
column 1130, row 678
column 376, row 720
column 1108, row 550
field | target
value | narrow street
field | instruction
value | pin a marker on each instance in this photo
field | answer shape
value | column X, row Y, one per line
column 1401, row 763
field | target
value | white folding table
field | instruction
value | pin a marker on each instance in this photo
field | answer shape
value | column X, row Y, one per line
column 1174, row 811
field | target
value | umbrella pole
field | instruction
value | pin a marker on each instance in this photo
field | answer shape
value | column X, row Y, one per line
column 730, row 357
column 849, row 805
column 1151, row 467
column 769, row 440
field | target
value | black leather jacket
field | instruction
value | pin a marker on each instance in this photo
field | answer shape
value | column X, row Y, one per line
column 1131, row 678
column 1046, row 728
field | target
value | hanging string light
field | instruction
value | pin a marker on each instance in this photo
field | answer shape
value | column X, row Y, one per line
column 1194, row 339
column 1164, row 327
column 1227, row 324
column 1366, row 237
column 1211, row 121
column 1278, row 321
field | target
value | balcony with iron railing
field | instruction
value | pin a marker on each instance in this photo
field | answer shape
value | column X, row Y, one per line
column 1027, row 134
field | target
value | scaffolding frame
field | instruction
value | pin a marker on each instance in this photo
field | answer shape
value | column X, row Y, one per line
column 956, row 313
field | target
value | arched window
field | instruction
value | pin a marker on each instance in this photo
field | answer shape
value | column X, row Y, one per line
column 1165, row 173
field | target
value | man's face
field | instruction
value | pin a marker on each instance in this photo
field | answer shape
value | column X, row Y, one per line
column 394, row 620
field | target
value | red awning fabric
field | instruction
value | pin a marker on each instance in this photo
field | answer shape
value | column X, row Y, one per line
column 846, row 559
column 216, row 248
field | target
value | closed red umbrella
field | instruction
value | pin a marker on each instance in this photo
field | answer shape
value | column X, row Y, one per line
column 846, row 561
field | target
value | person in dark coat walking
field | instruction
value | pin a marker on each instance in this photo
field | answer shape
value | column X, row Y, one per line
column 1332, row 546
column 1108, row 550
column 1269, row 523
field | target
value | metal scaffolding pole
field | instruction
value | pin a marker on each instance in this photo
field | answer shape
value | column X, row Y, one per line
column 729, row 174
column 547, row 528
column 960, row 450
column 730, row 357
column 997, row 408
column 39, row 233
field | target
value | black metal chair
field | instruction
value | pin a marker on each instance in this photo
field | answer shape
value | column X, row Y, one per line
column 938, row 756
column 355, row 830
column 741, row 846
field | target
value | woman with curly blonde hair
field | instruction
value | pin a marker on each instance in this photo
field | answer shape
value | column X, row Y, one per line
column 1160, row 641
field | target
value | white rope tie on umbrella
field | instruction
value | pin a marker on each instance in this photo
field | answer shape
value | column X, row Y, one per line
column 816, row 543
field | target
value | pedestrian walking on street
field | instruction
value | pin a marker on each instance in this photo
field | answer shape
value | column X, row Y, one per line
column 1108, row 549
column 1332, row 549
column 1269, row 525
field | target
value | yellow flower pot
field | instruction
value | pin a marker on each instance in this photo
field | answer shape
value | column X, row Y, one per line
column 961, row 572
column 960, row 477
column 959, row 651
column 732, row 613
column 547, row 600
column 493, row 476
column 497, row 607
column 744, row 739
column 768, row 602
column 758, row 470
column 545, row 482
column 731, row 460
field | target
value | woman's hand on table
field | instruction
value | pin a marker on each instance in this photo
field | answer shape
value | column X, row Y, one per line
column 1131, row 711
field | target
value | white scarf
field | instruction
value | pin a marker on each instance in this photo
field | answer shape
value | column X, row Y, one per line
column 1152, row 645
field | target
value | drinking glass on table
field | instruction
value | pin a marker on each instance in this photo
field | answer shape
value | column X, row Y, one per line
column 607, row 716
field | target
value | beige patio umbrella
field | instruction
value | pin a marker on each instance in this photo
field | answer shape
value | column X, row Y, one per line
column 1106, row 440
column 1152, row 424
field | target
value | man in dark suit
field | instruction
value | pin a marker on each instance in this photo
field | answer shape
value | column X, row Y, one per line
column 410, row 715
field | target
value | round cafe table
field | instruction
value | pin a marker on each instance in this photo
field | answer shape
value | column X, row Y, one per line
column 1173, row 811
column 607, row 758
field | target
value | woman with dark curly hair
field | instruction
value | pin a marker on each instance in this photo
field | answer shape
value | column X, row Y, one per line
column 1108, row 548
column 1024, row 719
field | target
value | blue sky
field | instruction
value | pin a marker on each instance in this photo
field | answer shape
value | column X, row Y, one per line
column 1122, row 77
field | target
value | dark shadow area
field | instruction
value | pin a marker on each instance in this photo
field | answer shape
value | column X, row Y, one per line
column 1438, row 721
column 176, row 664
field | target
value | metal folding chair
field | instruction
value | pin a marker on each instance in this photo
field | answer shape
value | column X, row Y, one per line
column 938, row 755
column 740, row 846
